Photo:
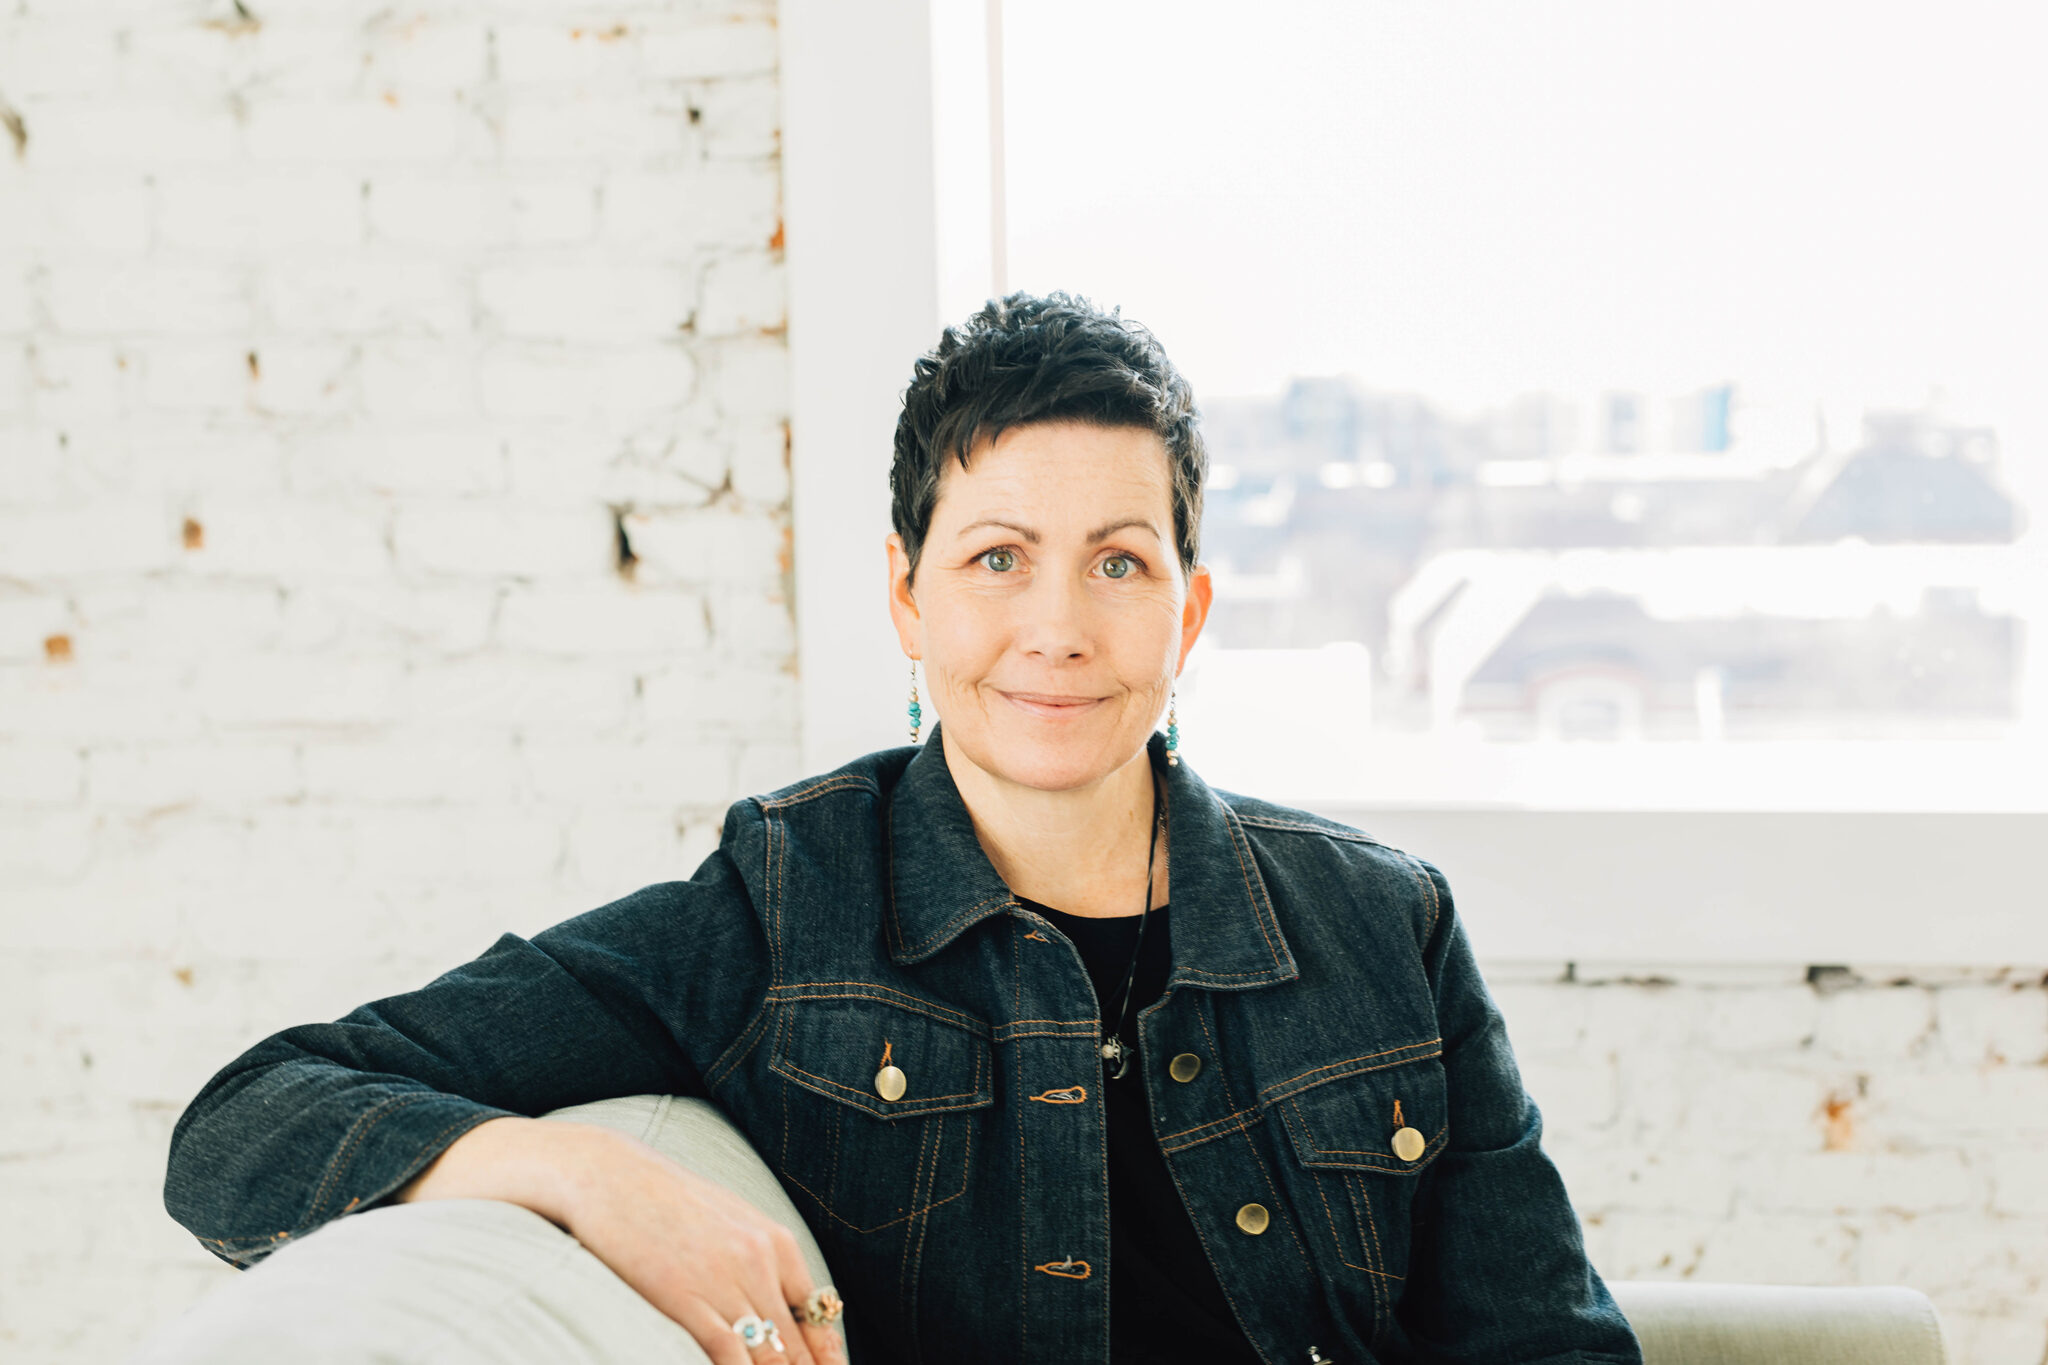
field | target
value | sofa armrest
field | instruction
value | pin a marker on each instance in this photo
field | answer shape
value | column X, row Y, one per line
column 1682, row 1323
column 471, row 1281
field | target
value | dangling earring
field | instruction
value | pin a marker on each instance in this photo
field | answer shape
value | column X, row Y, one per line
column 916, row 711
column 1172, row 733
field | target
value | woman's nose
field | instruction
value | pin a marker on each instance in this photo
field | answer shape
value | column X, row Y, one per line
column 1054, row 622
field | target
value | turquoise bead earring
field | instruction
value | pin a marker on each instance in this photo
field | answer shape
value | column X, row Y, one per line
column 1172, row 733
column 916, row 711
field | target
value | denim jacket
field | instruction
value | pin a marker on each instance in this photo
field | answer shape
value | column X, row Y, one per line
column 1321, row 981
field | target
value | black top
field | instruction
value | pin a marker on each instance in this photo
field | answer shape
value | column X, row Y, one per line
column 1165, row 1303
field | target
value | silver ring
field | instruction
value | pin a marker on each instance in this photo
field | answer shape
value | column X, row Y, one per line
column 756, row 1331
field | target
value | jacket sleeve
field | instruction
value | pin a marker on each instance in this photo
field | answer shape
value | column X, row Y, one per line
column 1499, row 1270
column 635, row 997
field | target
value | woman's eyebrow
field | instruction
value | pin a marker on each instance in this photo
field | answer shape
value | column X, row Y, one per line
column 1105, row 532
column 1024, row 531
column 1031, row 537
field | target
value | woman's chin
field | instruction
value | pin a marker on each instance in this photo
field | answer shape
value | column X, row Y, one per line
column 1055, row 762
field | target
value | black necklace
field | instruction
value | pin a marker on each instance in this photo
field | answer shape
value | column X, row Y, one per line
column 1116, row 1053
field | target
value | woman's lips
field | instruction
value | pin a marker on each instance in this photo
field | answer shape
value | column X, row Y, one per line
column 1051, row 706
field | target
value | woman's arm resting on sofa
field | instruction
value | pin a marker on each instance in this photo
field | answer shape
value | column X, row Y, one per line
column 689, row 1246
column 324, row 1119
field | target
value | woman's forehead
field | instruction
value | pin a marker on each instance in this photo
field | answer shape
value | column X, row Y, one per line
column 1069, row 472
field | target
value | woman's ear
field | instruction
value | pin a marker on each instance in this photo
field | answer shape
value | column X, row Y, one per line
column 1194, row 612
column 902, row 604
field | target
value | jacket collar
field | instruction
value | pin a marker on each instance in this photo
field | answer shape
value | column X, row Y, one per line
column 1225, row 933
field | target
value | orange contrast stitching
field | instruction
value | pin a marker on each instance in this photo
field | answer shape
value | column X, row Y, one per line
column 830, row 784
column 1279, row 1091
column 1065, row 1269
column 1356, row 836
column 1072, row 1094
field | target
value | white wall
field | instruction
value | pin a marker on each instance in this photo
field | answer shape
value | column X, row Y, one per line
column 398, row 698
column 330, row 342
column 1879, row 1125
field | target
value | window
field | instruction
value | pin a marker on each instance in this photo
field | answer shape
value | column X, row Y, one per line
column 1610, row 406
column 1660, row 252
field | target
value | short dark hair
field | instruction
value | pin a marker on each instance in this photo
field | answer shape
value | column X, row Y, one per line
column 1024, row 359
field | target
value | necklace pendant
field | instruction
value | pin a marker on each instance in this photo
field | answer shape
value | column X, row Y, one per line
column 1117, row 1056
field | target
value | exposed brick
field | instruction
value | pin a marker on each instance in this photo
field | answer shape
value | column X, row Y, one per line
column 212, row 773
column 534, row 381
column 588, row 56
column 641, row 843
column 109, row 539
column 712, row 204
column 1876, row 1021
column 362, row 132
column 413, row 53
column 152, row 300
column 452, row 457
column 760, row 463
column 664, row 775
column 696, row 700
column 611, row 130
column 741, row 294
column 586, row 303
column 606, row 618
column 411, row 769
column 96, row 134
column 707, row 51
column 540, row 696
column 474, row 538
column 404, row 381
column 42, row 774
column 753, row 379
column 1999, row 1022
column 280, row 536
column 434, row 210
column 219, row 213
column 740, row 117
column 356, row 297
column 705, row 546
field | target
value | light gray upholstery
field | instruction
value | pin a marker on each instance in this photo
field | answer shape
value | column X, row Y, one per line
column 1680, row 1323
column 471, row 1282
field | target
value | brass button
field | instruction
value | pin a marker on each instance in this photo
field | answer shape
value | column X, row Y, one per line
column 890, row 1083
column 1253, row 1218
column 1184, row 1067
column 1408, row 1144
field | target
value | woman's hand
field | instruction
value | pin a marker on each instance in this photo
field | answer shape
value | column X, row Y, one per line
column 692, row 1248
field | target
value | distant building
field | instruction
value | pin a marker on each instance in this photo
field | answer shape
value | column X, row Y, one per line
column 1332, row 501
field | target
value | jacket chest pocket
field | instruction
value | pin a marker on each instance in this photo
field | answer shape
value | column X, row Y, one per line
column 878, row 1107
column 1364, row 1144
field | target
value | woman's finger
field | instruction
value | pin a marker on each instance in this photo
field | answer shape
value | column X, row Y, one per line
column 823, row 1340
column 771, row 1284
column 714, row 1333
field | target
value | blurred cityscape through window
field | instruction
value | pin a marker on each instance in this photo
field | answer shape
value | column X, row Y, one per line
column 1576, row 441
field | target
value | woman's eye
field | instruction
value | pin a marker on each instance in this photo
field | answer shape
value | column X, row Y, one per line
column 1001, row 561
column 1117, row 566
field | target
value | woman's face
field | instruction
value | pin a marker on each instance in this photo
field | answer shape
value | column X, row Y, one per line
column 1050, row 610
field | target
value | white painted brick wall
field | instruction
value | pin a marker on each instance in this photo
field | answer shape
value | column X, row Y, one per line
column 510, row 274
column 1741, row 1124
column 333, row 350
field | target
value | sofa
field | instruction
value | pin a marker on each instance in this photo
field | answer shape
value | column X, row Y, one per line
column 479, row 1282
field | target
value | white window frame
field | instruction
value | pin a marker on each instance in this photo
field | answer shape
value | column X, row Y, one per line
column 893, row 226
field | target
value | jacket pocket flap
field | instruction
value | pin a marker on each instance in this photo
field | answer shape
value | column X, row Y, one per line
column 1356, row 1122
column 839, row 1047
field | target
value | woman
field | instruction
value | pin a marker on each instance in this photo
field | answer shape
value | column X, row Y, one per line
column 945, row 992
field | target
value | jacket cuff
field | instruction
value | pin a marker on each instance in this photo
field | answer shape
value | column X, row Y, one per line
column 387, row 1145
